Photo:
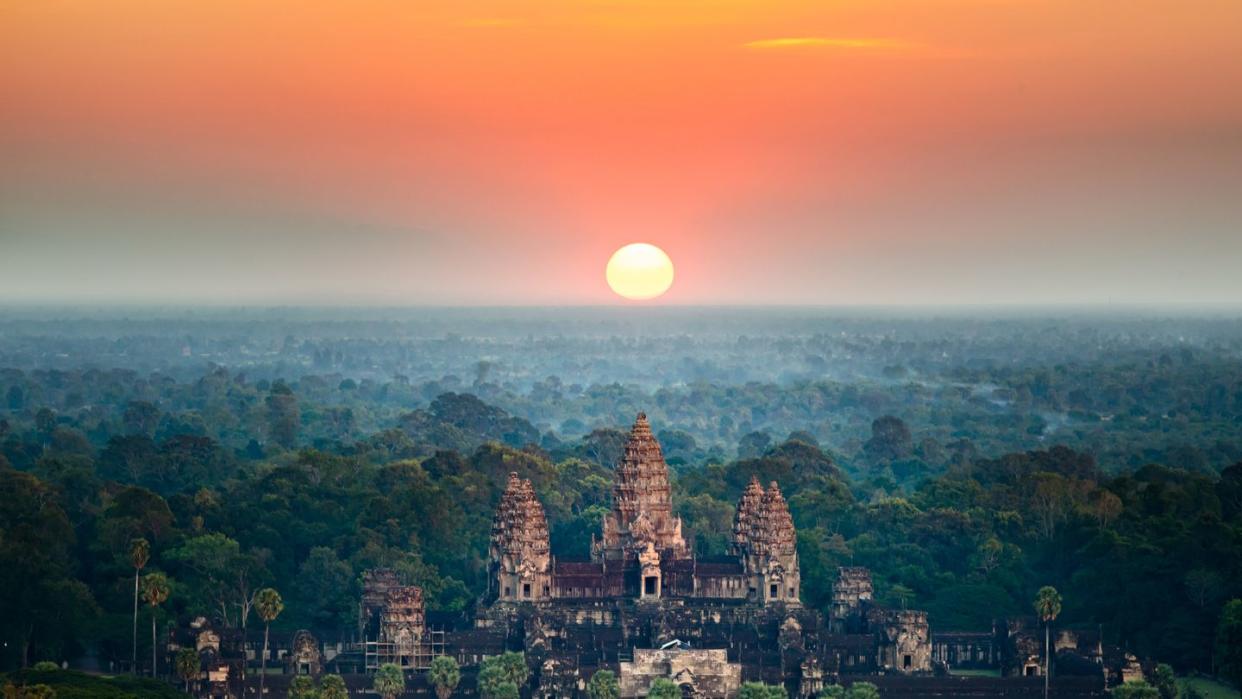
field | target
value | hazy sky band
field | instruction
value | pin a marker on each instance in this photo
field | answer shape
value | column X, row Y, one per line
column 920, row 151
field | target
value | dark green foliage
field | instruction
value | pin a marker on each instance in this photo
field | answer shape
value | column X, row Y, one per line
column 502, row 676
column 1229, row 642
column 1165, row 681
column 662, row 688
column 1135, row 689
column 603, row 685
column 70, row 684
column 242, row 480
column 758, row 690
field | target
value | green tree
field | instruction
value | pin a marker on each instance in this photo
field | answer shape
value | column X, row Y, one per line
column 863, row 690
column 1135, row 689
column 389, row 681
column 214, row 560
column 333, row 687
column 188, row 666
column 32, row 691
column 1048, row 607
column 832, row 691
column 269, row 605
column 1165, row 681
column 491, row 676
column 603, row 685
column 325, row 587
column 497, row 670
column 662, row 688
column 283, row 415
column 444, row 675
column 302, row 687
column 42, row 605
column 1229, row 642
column 139, row 554
column 758, row 690
column 155, row 591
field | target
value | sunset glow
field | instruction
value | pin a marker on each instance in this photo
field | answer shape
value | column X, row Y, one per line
column 639, row 271
column 783, row 151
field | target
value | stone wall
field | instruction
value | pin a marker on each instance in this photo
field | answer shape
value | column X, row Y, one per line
column 699, row 673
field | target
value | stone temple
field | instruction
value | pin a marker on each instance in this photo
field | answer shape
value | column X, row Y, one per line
column 645, row 606
column 641, row 554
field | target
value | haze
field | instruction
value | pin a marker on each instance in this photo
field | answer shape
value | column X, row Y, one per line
column 459, row 153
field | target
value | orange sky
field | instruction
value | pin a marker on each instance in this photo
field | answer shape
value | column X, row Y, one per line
column 854, row 151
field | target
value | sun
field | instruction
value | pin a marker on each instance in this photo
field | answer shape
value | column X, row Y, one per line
column 639, row 271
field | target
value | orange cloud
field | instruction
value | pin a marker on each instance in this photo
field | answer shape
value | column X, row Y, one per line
column 826, row 42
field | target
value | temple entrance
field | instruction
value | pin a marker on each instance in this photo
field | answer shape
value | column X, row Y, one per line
column 651, row 585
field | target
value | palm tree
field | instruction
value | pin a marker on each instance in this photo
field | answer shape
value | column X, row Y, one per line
column 269, row 605
column 1047, row 606
column 444, row 675
column 302, row 687
column 188, row 666
column 332, row 687
column 389, row 681
column 603, row 685
column 155, row 591
column 139, row 554
column 663, row 688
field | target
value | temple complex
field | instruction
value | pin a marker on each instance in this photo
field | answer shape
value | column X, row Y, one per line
column 644, row 606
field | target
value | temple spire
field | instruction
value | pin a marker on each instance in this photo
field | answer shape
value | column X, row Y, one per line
column 520, row 558
column 744, row 519
column 642, row 510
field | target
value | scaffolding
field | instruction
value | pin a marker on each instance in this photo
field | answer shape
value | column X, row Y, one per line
column 414, row 656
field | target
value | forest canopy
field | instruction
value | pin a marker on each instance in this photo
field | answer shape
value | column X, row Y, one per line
column 964, row 469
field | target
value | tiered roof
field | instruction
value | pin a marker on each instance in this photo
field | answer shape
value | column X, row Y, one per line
column 744, row 519
column 520, row 527
column 763, row 525
column 642, row 510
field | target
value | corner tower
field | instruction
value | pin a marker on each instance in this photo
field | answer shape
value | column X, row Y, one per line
column 519, row 561
column 765, row 540
column 642, row 510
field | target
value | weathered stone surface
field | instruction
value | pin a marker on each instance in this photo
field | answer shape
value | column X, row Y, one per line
column 519, row 556
column 904, row 640
column 305, row 657
column 698, row 672
column 851, row 591
column 403, row 623
column 746, row 516
column 376, row 584
column 642, row 510
column 765, row 539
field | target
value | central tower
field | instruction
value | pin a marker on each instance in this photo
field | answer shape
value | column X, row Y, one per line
column 642, row 510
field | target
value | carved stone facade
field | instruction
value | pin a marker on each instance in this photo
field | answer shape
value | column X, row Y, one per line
column 764, row 537
column 642, row 509
column 904, row 640
column 305, row 657
column 697, row 672
column 850, row 593
column 642, row 552
column 403, row 626
column 376, row 584
column 520, row 558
